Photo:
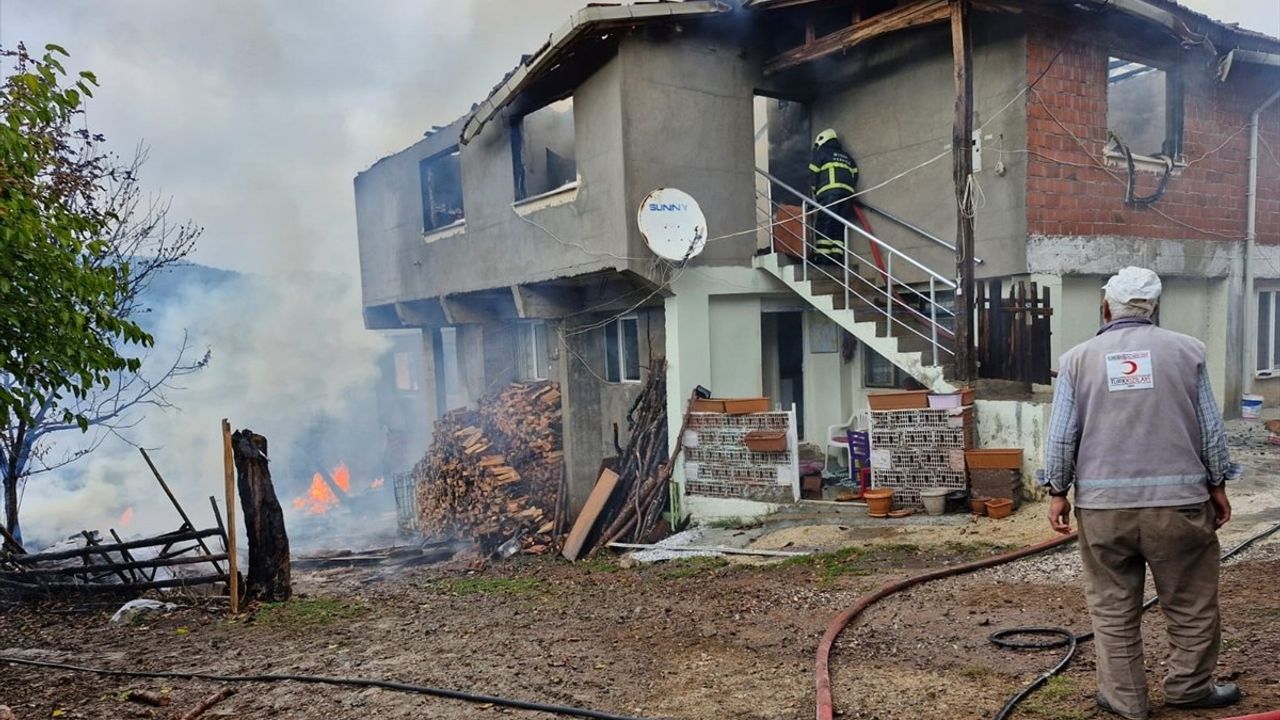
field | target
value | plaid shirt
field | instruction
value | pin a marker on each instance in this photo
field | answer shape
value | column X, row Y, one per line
column 1064, row 435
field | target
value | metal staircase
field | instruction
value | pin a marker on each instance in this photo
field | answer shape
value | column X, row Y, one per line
column 904, row 317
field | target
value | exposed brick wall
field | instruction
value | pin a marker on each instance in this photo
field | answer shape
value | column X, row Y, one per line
column 1068, row 194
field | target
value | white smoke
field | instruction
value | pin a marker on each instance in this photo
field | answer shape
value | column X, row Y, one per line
column 291, row 360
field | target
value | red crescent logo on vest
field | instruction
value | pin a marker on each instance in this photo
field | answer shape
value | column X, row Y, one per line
column 1130, row 367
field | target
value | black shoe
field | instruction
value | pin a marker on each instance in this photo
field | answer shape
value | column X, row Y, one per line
column 1220, row 696
column 1105, row 705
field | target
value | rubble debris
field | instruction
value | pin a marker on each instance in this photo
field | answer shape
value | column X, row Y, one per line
column 497, row 471
column 399, row 555
column 133, row 608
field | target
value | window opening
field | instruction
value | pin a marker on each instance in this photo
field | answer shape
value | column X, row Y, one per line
column 1266, row 362
column 622, row 350
column 441, row 178
column 1144, row 108
column 878, row 372
column 542, row 150
column 534, row 353
column 406, row 379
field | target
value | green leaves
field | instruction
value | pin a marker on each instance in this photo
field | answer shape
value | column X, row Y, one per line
column 61, row 328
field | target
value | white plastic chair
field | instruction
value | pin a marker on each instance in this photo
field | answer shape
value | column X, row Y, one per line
column 837, row 439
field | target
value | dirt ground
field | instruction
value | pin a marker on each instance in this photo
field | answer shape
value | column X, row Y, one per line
column 699, row 639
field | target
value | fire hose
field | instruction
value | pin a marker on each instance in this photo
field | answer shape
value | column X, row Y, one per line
column 318, row 679
column 1061, row 637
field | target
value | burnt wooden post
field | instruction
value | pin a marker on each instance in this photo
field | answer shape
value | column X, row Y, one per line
column 268, row 577
column 962, row 171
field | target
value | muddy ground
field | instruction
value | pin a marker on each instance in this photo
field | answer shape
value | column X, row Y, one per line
column 702, row 639
column 697, row 639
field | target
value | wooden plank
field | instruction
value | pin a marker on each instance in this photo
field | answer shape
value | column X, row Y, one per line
column 115, row 567
column 590, row 514
column 130, row 545
column 709, row 548
column 902, row 18
column 233, row 573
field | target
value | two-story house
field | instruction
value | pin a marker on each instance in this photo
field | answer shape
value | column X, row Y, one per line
column 1107, row 133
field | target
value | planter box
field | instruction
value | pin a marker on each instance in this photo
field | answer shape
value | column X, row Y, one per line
column 994, row 459
column 745, row 406
column 707, row 405
column 952, row 400
column 899, row 400
column 766, row 440
column 997, row 484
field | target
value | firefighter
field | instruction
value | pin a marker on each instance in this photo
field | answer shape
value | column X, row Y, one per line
column 833, row 179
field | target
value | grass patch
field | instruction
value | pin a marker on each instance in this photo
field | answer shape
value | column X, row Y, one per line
column 691, row 567
column 599, row 563
column 974, row 672
column 494, row 586
column 1053, row 701
column 845, row 561
column 304, row 612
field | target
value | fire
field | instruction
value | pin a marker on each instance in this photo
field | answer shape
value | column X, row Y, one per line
column 319, row 499
column 377, row 483
column 342, row 477
column 127, row 518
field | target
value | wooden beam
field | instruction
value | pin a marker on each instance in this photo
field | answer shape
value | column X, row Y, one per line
column 228, row 476
column 918, row 14
column 962, row 172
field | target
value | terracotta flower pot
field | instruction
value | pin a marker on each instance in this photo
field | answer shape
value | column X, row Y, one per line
column 1000, row 508
column 879, row 500
column 978, row 505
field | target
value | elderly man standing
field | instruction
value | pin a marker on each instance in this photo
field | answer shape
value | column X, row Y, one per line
column 1136, row 428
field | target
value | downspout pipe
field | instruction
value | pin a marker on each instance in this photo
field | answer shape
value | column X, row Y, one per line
column 1250, row 240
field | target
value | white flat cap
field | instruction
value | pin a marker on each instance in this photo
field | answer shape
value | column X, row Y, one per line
column 1133, row 283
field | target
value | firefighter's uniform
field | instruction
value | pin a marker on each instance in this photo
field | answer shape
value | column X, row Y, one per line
column 833, row 181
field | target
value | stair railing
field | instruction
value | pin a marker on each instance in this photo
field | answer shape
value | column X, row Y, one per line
column 895, row 291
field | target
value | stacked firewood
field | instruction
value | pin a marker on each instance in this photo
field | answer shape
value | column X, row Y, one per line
column 496, row 472
column 644, row 472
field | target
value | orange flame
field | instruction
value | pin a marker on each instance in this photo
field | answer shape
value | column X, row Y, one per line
column 342, row 477
column 319, row 498
column 127, row 518
column 377, row 483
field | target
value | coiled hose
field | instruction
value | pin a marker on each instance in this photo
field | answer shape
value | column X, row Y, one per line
column 1004, row 638
column 1064, row 638
column 319, row 679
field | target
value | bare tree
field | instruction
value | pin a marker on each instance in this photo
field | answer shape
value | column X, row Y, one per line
column 141, row 239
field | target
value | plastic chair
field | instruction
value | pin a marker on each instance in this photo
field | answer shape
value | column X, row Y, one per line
column 837, row 440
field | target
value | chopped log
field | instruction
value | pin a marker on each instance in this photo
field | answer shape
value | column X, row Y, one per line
column 203, row 706
column 269, row 571
column 10, row 543
column 147, row 697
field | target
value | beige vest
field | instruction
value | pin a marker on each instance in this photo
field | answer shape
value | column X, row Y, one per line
column 1136, row 392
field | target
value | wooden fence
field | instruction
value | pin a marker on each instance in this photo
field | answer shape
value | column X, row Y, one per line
column 1013, row 331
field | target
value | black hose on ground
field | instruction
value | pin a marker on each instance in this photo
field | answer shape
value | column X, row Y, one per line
column 318, row 679
column 1064, row 638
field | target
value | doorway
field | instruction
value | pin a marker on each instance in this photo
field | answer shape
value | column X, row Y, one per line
column 782, row 341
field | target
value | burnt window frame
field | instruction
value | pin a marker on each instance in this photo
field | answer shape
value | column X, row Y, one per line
column 1171, row 145
column 424, row 186
column 517, row 138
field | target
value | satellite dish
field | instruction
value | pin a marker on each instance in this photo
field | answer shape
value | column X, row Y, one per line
column 673, row 225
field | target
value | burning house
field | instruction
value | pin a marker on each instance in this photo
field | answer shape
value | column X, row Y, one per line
column 1104, row 134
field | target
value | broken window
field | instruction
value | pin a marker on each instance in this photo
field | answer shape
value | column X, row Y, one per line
column 1144, row 108
column 534, row 357
column 441, row 177
column 542, row 150
column 406, row 377
column 622, row 350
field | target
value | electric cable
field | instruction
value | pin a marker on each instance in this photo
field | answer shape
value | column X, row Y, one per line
column 1008, row 638
column 562, row 710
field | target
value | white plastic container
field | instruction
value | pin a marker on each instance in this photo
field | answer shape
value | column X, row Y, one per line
column 934, row 499
column 1251, row 406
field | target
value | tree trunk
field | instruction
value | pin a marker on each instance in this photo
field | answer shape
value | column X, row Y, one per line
column 269, row 570
column 11, row 506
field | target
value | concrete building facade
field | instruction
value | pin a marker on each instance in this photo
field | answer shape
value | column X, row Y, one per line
column 533, row 266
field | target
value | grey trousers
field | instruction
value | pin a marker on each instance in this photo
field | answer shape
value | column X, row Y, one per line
column 1180, row 545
